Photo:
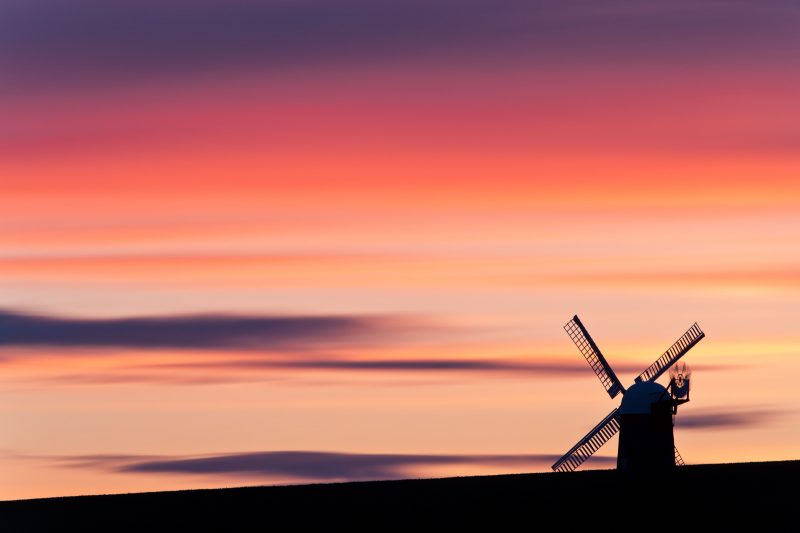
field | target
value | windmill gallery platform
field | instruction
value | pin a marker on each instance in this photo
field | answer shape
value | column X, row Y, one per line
column 717, row 495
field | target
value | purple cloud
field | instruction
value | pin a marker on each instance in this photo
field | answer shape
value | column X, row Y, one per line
column 273, row 343
column 726, row 418
column 490, row 365
column 257, row 370
column 202, row 331
column 310, row 465
column 89, row 40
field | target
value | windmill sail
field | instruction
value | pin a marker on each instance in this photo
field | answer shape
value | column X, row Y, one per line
column 692, row 336
column 591, row 352
column 589, row 444
column 678, row 458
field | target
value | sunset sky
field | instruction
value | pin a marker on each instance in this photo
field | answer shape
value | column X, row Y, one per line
column 249, row 242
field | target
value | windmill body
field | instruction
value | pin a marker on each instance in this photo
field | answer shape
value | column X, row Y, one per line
column 644, row 418
column 646, row 441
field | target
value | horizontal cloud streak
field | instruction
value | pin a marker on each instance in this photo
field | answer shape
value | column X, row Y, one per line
column 96, row 39
column 310, row 465
column 259, row 370
column 726, row 419
column 250, row 370
column 532, row 365
column 202, row 331
column 480, row 365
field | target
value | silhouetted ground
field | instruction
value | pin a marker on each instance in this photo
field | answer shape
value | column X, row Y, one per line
column 717, row 495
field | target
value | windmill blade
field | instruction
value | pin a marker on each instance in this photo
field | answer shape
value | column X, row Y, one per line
column 692, row 336
column 589, row 444
column 678, row 458
column 591, row 352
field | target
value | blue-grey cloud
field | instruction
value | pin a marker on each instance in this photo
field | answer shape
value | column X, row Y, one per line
column 310, row 342
column 504, row 365
column 480, row 365
column 312, row 465
column 204, row 331
column 262, row 370
column 726, row 418
column 97, row 39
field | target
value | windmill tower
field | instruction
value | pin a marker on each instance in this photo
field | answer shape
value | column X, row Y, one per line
column 644, row 417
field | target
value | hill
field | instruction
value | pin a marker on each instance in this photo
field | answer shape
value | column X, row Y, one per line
column 727, row 494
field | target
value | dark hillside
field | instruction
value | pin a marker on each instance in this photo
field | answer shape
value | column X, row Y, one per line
column 730, row 494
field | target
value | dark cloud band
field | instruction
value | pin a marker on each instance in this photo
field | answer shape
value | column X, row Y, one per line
column 311, row 465
column 207, row 331
column 263, row 369
column 96, row 39
column 498, row 365
column 726, row 419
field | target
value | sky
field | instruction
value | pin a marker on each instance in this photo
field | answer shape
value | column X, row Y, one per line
column 281, row 242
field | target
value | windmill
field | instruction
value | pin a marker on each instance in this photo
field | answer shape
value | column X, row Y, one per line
column 644, row 417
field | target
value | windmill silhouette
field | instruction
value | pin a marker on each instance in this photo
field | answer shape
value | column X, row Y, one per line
column 644, row 417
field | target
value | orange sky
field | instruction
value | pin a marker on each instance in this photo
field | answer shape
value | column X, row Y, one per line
column 463, row 197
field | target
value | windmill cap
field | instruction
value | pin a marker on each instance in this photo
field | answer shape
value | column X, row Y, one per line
column 639, row 397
